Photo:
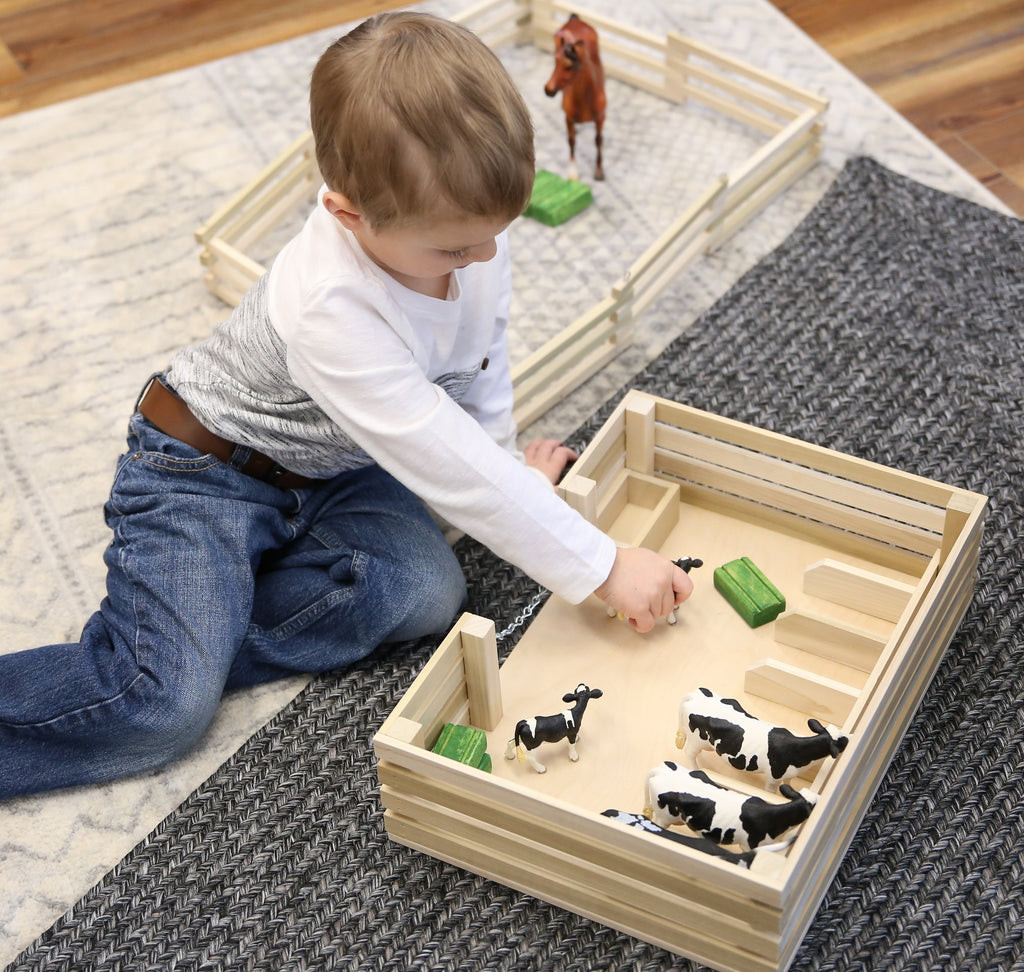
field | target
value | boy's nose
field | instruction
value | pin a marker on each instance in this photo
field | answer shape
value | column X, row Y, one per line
column 482, row 252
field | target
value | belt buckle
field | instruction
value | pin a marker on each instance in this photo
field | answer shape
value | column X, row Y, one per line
column 145, row 392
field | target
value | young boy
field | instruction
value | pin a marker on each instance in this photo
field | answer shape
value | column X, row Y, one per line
column 269, row 516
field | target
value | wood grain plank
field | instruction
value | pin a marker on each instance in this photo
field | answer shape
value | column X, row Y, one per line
column 74, row 47
column 900, row 31
column 10, row 69
column 953, row 68
column 1001, row 141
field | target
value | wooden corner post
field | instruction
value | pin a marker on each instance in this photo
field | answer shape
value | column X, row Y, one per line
column 483, row 683
column 640, row 434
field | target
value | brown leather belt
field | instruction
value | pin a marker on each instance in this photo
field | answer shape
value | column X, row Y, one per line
column 174, row 418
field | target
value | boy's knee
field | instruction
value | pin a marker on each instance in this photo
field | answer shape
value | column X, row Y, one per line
column 171, row 723
column 430, row 598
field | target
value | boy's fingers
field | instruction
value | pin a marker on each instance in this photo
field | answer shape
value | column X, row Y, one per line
column 682, row 585
column 644, row 623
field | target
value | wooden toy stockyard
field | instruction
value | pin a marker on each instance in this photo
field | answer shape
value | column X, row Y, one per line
column 877, row 567
column 674, row 67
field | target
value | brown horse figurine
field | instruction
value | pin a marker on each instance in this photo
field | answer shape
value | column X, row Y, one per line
column 579, row 76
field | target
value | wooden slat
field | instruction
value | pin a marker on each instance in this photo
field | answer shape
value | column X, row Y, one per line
column 479, row 12
column 624, row 857
column 694, row 245
column 880, row 673
column 752, row 168
column 740, row 68
column 761, row 465
column 744, row 93
column 607, row 24
column 562, row 822
column 727, row 106
column 434, row 677
column 650, row 60
column 538, row 365
column 789, row 170
column 689, row 221
column 584, row 895
column 225, row 279
column 875, row 551
column 862, row 590
column 829, row 638
column 824, row 698
column 608, row 443
column 765, row 493
column 496, row 22
column 815, row 457
column 567, row 372
column 289, row 159
column 877, row 731
column 221, row 252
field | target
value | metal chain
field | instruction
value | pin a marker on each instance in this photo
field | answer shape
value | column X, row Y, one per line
column 523, row 616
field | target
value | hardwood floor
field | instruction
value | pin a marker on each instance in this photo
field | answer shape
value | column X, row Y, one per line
column 954, row 68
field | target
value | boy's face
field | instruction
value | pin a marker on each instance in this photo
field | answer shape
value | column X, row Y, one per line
column 422, row 255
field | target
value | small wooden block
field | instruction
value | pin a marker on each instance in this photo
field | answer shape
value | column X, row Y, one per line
column 754, row 597
column 554, row 199
column 824, row 698
column 827, row 638
column 465, row 744
column 862, row 590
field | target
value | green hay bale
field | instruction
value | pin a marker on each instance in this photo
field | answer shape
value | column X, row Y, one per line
column 464, row 744
column 753, row 596
column 554, row 199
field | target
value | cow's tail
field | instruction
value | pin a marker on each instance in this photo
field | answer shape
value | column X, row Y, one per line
column 514, row 749
column 648, row 809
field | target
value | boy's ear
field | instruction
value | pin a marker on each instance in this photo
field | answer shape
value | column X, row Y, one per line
column 343, row 210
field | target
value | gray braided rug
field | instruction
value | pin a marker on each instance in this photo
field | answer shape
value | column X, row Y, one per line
column 890, row 325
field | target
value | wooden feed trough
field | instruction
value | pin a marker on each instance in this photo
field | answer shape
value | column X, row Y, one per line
column 877, row 567
column 673, row 67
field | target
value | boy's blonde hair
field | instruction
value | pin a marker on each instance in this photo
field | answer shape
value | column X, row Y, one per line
column 414, row 116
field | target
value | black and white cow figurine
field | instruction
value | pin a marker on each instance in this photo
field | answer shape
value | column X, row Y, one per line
column 707, row 721
column 530, row 733
column 676, row 795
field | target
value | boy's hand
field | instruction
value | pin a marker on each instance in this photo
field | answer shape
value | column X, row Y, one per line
column 550, row 457
column 644, row 586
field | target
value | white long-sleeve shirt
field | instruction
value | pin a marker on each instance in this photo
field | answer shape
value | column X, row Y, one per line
column 329, row 364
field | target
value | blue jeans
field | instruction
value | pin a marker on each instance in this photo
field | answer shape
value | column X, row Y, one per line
column 217, row 580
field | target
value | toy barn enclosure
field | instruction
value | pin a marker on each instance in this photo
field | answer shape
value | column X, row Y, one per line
column 877, row 568
column 686, row 127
